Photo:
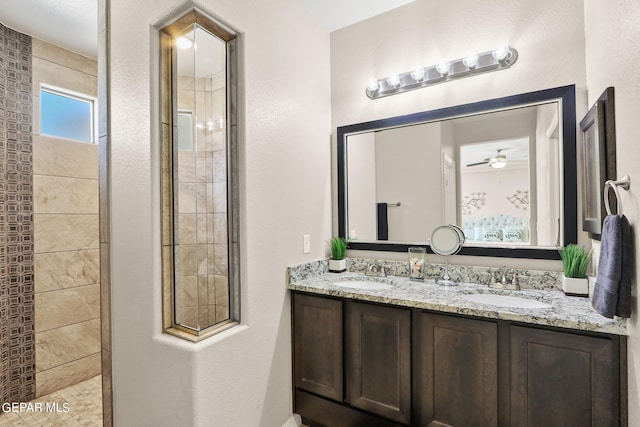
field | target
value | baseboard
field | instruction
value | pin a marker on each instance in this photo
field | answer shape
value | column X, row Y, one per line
column 294, row 421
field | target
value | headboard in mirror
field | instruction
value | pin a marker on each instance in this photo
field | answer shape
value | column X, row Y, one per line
column 503, row 170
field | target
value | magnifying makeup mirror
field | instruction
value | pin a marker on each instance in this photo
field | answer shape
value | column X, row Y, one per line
column 447, row 240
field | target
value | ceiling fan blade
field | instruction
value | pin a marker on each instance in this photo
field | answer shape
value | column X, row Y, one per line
column 478, row 164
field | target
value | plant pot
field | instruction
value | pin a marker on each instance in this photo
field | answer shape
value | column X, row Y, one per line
column 337, row 265
column 575, row 286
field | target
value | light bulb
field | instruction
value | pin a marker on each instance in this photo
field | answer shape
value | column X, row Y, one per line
column 418, row 74
column 470, row 61
column 443, row 68
column 498, row 162
column 184, row 42
column 501, row 53
column 373, row 85
column 393, row 80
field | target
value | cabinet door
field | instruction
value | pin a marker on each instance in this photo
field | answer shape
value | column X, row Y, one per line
column 318, row 345
column 379, row 360
column 563, row 379
column 456, row 371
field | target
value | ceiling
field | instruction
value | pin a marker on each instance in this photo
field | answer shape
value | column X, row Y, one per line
column 336, row 14
column 73, row 24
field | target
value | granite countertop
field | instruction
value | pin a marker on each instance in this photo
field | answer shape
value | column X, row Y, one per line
column 565, row 311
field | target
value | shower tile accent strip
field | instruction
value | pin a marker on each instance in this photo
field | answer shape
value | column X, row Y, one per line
column 17, row 342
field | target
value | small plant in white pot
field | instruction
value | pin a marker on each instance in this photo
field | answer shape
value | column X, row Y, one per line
column 337, row 263
column 575, row 260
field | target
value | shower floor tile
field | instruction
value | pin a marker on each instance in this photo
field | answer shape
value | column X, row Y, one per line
column 76, row 405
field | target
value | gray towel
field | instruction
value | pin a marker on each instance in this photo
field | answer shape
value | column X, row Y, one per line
column 612, row 292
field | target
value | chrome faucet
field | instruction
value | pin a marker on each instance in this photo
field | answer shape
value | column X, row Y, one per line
column 376, row 270
column 502, row 282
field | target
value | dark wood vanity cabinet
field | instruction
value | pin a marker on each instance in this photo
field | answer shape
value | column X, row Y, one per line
column 318, row 346
column 564, row 379
column 408, row 367
column 378, row 360
column 456, row 371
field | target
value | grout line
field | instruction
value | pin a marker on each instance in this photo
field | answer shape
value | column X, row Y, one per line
column 70, row 362
column 70, row 324
column 62, row 289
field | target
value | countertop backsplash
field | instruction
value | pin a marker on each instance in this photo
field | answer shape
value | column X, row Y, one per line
column 528, row 279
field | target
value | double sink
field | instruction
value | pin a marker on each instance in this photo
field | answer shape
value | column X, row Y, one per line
column 481, row 296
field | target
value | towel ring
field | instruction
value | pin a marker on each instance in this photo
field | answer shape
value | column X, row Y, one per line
column 625, row 183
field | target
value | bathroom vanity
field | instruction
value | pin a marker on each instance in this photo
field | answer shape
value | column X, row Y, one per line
column 403, row 353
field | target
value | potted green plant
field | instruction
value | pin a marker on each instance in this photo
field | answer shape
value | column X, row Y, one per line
column 575, row 260
column 337, row 263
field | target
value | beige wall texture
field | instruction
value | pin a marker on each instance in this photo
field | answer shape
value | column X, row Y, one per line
column 240, row 377
column 612, row 44
column 67, row 284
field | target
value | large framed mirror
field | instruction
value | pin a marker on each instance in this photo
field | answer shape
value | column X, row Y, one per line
column 503, row 170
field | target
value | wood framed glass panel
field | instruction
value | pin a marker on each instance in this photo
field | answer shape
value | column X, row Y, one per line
column 199, row 188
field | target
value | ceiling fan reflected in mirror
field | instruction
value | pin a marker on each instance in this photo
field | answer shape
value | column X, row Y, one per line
column 497, row 162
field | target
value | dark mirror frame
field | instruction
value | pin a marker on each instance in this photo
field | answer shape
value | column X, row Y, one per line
column 566, row 94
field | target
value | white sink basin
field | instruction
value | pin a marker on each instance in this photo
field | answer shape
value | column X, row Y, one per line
column 505, row 301
column 363, row 284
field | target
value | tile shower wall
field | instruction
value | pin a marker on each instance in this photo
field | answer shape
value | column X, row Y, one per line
column 202, row 295
column 67, row 259
column 16, row 227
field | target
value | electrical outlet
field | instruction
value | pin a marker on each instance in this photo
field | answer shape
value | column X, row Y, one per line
column 306, row 245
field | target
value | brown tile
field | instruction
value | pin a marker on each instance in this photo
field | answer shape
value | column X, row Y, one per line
column 52, row 53
column 59, row 232
column 185, row 232
column 85, row 402
column 53, row 194
column 50, row 73
column 186, row 291
column 67, row 374
column 59, row 346
column 107, row 390
column 219, row 197
column 185, row 260
column 222, row 290
column 66, row 306
column 59, row 270
column 59, row 157
column 105, row 296
column 220, row 259
column 104, row 189
column 186, row 198
column 220, row 228
column 186, row 166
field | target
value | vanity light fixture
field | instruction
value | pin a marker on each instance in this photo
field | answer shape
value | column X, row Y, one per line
column 493, row 60
column 393, row 80
column 470, row 61
column 443, row 68
column 417, row 75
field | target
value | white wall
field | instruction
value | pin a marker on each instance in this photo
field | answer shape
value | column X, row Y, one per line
column 241, row 377
column 549, row 36
column 361, row 186
column 612, row 46
column 408, row 164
